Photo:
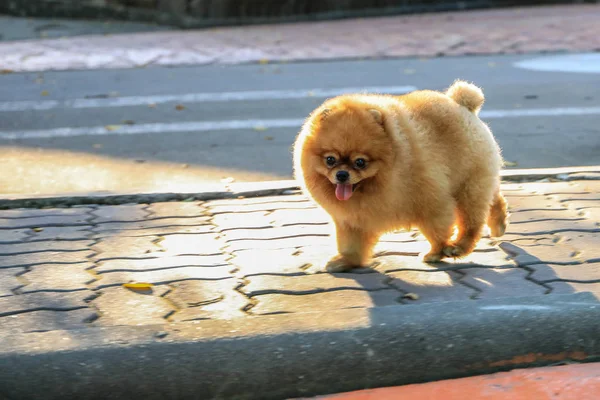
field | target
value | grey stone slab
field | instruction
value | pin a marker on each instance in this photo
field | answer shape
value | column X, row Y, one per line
column 176, row 209
column 244, row 208
column 554, row 226
column 44, row 246
column 67, row 220
column 431, row 285
column 543, row 202
column 586, row 246
column 58, row 277
column 125, row 247
column 296, row 217
column 306, row 284
column 122, row 213
column 9, row 280
column 151, row 264
column 61, row 233
column 251, row 220
column 163, row 276
column 208, row 243
column 542, row 215
column 277, row 232
column 101, row 232
column 40, row 321
column 197, row 300
column 541, row 252
column 592, row 197
column 22, row 303
column 562, row 287
column 259, row 200
column 501, row 282
column 340, row 299
column 282, row 261
column 154, row 225
column 14, row 235
column 294, row 242
column 121, row 306
column 581, row 272
column 49, row 257
column 43, row 213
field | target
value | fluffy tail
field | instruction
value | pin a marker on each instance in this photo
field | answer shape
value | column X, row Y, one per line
column 466, row 94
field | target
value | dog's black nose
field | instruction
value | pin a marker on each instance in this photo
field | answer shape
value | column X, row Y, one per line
column 342, row 176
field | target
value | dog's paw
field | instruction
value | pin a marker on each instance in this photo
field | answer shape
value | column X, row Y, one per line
column 454, row 251
column 432, row 257
column 338, row 264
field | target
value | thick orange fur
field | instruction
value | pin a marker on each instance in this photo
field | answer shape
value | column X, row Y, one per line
column 431, row 163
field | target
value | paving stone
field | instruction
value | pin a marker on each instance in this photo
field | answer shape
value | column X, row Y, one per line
column 339, row 299
column 403, row 248
column 501, row 282
column 14, row 235
column 553, row 226
column 57, row 278
column 585, row 245
column 517, row 239
column 541, row 215
column 313, row 216
column 244, row 208
column 542, row 252
column 547, row 188
column 295, row 242
column 257, row 219
column 41, row 321
column 42, row 246
column 272, row 233
column 126, row 247
column 49, row 257
column 265, row 284
column 431, row 285
column 259, row 200
column 207, row 300
column 100, row 232
column 61, row 233
column 582, row 272
column 121, row 306
column 176, row 209
column 575, row 287
column 207, row 243
column 545, row 202
column 67, row 220
column 154, row 225
column 163, row 276
column 121, row 213
column 150, row 264
column 282, row 261
column 42, row 213
column 9, row 280
column 43, row 301
column 583, row 197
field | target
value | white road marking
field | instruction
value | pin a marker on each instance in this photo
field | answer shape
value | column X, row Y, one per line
column 258, row 124
column 578, row 63
column 188, row 98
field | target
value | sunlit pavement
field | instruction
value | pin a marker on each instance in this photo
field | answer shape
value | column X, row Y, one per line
column 569, row 382
column 234, row 292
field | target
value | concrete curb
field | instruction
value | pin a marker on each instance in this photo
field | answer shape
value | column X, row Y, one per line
column 252, row 189
column 299, row 355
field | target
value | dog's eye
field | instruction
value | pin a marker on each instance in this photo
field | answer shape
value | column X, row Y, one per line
column 330, row 161
column 360, row 163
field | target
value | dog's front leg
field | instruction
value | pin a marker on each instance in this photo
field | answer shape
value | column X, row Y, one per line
column 355, row 248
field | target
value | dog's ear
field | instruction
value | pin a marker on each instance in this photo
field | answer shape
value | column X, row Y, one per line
column 377, row 115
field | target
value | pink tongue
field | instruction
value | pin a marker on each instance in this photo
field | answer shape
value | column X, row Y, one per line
column 343, row 192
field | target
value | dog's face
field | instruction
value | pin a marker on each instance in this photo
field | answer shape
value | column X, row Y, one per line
column 347, row 147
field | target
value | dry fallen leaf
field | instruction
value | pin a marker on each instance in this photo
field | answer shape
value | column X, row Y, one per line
column 6, row 71
column 227, row 180
column 268, row 137
column 510, row 163
column 138, row 286
column 37, row 229
column 112, row 127
column 411, row 296
column 180, row 107
column 260, row 128
column 45, row 93
column 152, row 105
column 263, row 61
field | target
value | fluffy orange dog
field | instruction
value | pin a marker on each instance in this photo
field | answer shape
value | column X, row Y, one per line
column 377, row 163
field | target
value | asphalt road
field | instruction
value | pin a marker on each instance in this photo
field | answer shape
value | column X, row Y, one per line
column 165, row 129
